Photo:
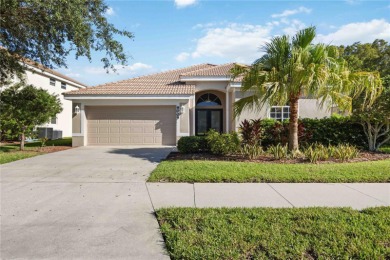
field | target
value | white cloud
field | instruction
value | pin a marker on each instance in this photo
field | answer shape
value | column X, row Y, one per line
column 293, row 27
column 286, row 13
column 358, row 32
column 238, row 42
column 182, row 56
column 121, row 70
column 184, row 3
column 73, row 75
column 110, row 11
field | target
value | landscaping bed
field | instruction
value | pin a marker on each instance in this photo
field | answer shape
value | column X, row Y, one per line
column 266, row 233
column 10, row 152
column 233, row 171
column 267, row 158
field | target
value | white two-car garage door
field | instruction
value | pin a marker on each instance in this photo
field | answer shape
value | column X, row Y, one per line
column 131, row 125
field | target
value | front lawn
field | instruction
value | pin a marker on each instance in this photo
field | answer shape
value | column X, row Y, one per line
column 265, row 233
column 10, row 152
column 223, row 171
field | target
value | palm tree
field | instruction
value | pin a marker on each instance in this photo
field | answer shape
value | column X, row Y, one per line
column 293, row 68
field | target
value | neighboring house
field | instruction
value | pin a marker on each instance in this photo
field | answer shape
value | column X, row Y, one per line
column 55, row 83
column 158, row 109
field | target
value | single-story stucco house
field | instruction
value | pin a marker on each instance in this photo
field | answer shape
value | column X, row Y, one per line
column 160, row 108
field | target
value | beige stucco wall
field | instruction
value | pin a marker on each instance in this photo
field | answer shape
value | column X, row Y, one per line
column 77, row 141
column 210, row 85
column 76, row 119
column 64, row 119
column 184, row 118
column 248, row 114
column 309, row 108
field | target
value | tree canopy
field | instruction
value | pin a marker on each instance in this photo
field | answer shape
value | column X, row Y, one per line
column 374, row 116
column 47, row 31
column 23, row 107
column 369, row 57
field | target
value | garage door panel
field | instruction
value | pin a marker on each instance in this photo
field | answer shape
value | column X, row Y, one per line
column 126, row 125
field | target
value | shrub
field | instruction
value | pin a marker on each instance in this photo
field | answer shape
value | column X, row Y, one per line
column 251, row 132
column 222, row 144
column 345, row 152
column 276, row 132
column 317, row 152
column 335, row 130
column 278, row 151
column 192, row 144
column 326, row 131
column 251, row 151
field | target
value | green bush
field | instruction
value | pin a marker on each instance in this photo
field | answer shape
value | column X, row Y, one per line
column 345, row 152
column 326, row 131
column 222, row 144
column 319, row 152
column 192, row 144
column 278, row 151
column 251, row 151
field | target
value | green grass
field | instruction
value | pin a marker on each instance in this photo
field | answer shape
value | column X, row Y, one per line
column 10, row 153
column 265, row 233
column 222, row 171
column 385, row 149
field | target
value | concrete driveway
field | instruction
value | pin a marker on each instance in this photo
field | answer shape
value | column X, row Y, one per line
column 85, row 203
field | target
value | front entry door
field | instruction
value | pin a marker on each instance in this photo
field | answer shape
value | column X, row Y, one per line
column 207, row 119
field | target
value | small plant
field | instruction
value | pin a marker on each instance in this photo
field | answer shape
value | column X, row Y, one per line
column 223, row 144
column 43, row 141
column 278, row 151
column 251, row 151
column 317, row 152
column 345, row 152
column 251, row 132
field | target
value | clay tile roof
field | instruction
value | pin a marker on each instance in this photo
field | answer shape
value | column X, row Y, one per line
column 216, row 71
column 164, row 83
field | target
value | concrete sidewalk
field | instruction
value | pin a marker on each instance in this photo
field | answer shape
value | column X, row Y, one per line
column 355, row 195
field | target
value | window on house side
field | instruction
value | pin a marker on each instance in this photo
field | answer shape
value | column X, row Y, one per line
column 52, row 82
column 280, row 113
column 63, row 85
column 53, row 120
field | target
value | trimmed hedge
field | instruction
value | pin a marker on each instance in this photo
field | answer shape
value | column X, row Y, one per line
column 192, row 144
column 326, row 131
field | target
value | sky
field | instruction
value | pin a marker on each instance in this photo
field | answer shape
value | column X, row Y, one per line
column 173, row 34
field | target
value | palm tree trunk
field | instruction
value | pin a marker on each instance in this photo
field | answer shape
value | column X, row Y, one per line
column 293, row 125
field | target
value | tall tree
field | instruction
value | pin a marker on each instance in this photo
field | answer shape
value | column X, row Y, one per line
column 46, row 31
column 373, row 116
column 373, row 57
column 26, row 107
column 292, row 68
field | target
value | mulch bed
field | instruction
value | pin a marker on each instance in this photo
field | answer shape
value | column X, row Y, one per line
column 52, row 149
column 363, row 157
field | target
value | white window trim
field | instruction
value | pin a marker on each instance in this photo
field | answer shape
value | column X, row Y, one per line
column 52, row 79
column 63, row 83
column 282, row 119
column 51, row 123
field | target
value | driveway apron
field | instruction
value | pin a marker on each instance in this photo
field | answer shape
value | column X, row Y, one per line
column 83, row 203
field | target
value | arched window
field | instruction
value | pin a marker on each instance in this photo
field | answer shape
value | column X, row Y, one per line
column 208, row 100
